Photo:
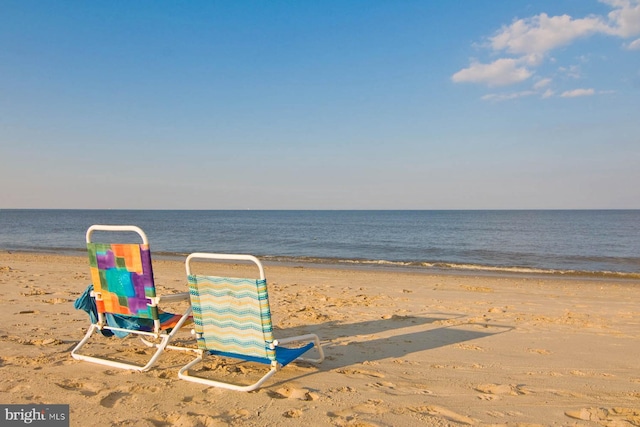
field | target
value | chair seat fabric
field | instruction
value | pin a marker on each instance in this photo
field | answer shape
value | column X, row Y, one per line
column 284, row 355
column 87, row 303
column 122, row 300
column 232, row 315
column 232, row 319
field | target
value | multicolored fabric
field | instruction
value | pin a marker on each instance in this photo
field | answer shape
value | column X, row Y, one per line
column 232, row 316
column 123, row 277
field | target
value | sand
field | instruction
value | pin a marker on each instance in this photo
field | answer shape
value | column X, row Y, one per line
column 402, row 349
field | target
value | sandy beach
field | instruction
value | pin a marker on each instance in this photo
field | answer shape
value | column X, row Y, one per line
column 402, row 349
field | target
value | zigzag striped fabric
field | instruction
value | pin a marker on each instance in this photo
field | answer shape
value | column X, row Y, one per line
column 122, row 275
column 232, row 315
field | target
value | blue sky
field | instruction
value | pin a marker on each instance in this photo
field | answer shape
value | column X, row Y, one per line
column 478, row 104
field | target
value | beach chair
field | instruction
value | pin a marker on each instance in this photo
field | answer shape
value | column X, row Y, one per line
column 232, row 320
column 126, row 300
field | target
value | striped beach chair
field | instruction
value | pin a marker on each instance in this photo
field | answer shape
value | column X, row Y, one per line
column 232, row 319
column 125, row 297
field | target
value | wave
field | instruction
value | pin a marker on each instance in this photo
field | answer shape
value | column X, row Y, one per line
column 453, row 267
column 423, row 266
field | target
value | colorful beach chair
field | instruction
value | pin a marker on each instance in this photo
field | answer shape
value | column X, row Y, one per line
column 125, row 297
column 232, row 319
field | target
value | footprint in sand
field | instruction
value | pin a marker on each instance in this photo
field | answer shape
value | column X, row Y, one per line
column 398, row 389
column 539, row 351
column 360, row 373
column 481, row 289
column 382, row 384
column 292, row 413
column 36, row 362
column 343, row 389
column 469, row 347
column 294, row 393
column 235, row 414
column 110, row 400
column 56, row 301
column 47, row 342
column 33, row 292
column 371, row 407
column 447, row 414
column 164, row 374
column 501, row 389
column 177, row 419
column 607, row 416
column 89, row 389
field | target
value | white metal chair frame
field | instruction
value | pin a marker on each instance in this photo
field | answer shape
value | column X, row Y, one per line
column 156, row 334
column 275, row 366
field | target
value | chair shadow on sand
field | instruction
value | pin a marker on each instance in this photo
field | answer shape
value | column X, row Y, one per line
column 350, row 344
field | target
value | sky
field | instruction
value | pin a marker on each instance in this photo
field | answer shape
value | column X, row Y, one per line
column 467, row 104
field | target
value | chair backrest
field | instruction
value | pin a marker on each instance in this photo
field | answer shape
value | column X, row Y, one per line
column 122, row 275
column 232, row 315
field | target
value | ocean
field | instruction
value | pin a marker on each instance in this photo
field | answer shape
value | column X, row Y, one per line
column 583, row 242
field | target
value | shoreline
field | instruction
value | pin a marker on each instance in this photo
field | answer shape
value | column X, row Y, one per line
column 402, row 348
column 388, row 266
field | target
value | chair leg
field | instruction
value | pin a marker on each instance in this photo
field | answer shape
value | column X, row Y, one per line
column 173, row 332
column 185, row 375
column 161, row 346
column 74, row 352
column 122, row 365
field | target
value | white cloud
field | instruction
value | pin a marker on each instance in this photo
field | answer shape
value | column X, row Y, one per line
column 634, row 45
column 507, row 96
column 572, row 71
column 537, row 89
column 533, row 59
column 578, row 92
column 528, row 42
column 625, row 19
column 548, row 94
column 502, row 72
column 541, row 84
column 542, row 33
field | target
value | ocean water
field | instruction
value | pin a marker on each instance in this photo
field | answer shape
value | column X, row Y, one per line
column 590, row 242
